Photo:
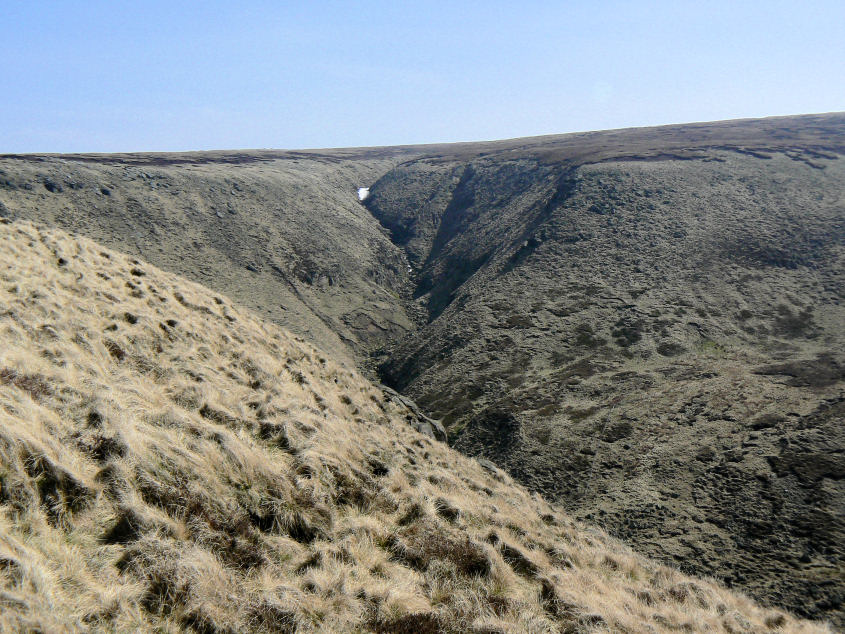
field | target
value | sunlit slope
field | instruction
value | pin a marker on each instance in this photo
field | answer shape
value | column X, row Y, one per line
column 169, row 461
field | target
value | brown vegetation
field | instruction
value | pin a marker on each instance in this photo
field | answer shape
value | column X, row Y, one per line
column 168, row 461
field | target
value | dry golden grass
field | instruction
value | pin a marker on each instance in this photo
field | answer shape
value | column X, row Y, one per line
column 170, row 462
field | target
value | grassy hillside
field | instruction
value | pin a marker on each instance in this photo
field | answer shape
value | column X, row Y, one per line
column 644, row 326
column 170, row 461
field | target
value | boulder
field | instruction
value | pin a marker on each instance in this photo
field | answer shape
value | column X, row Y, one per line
column 416, row 418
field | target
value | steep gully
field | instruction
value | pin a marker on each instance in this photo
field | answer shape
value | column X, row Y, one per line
column 503, row 235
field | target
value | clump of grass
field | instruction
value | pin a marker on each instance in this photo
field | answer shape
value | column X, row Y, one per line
column 712, row 348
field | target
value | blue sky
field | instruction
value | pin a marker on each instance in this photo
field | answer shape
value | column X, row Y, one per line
column 184, row 75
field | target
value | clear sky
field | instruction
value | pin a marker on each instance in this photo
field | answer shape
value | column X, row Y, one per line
column 124, row 75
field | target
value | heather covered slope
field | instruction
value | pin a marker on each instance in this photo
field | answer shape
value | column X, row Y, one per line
column 658, row 343
column 169, row 461
column 282, row 233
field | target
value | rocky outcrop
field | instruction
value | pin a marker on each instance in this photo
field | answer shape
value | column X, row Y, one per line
column 415, row 417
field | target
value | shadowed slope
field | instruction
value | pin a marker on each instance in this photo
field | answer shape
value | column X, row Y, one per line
column 656, row 343
column 169, row 461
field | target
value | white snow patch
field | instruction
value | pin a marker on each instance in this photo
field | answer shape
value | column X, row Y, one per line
column 363, row 192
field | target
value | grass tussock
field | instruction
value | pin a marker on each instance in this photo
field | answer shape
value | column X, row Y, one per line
column 170, row 462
